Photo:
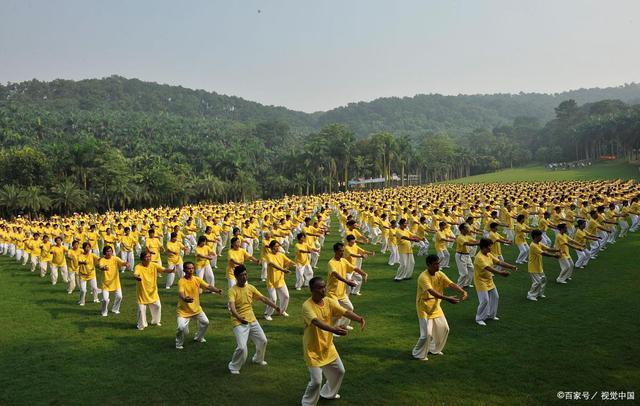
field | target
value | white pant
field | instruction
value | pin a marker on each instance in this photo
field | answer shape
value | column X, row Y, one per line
column 433, row 336
column 405, row 270
column 394, row 257
column 206, row 273
column 183, row 327
column 116, row 301
column 54, row 273
column 127, row 257
column 248, row 245
column 243, row 332
column 444, row 257
column 282, row 295
column 83, row 289
column 583, row 258
column 488, row 306
column 34, row 262
column 172, row 276
column 263, row 273
column 523, row 256
column 566, row 269
column 538, row 283
column 43, row 268
column 72, row 277
column 424, row 247
column 304, row 273
column 334, row 372
column 465, row 269
column 346, row 303
column 357, row 278
column 156, row 311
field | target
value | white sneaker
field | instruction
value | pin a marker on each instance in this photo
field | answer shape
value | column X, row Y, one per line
column 115, row 311
column 105, row 314
column 532, row 298
column 81, row 304
column 349, row 328
column 481, row 323
column 542, row 296
column 298, row 288
column 179, row 347
column 268, row 318
column 262, row 363
column 234, row 372
column 358, row 294
column 96, row 300
column 201, row 340
column 285, row 314
column 562, row 282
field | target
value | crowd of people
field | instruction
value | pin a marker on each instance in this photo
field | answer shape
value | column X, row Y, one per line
column 286, row 236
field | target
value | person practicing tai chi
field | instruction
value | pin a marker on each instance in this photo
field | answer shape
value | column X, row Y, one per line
column 536, row 251
column 146, row 273
column 404, row 239
column 237, row 256
column 110, row 266
column 338, row 281
column 562, row 244
column 464, row 240
column 278, row 264
column 189, row 287
column 484, row 269
column 434, row 328
column 304, row 271
column 320, row 353
column 245, row 324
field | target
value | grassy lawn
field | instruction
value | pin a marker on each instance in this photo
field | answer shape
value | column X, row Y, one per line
column 583, row 337
column 599, row 170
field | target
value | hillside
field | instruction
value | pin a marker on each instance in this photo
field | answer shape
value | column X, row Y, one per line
column 413, row 116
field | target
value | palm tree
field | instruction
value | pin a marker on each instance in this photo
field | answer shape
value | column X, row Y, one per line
column 33, row 200
column 67, row 196
column 10, row 198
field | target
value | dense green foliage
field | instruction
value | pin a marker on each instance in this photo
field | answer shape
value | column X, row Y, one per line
column 116, row 143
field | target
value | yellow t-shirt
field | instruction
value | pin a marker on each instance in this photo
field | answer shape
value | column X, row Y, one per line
column 404, row 246
column 239, row 256
column 441, row 244
column 73, row 259
column 482, row 278
column 427, row 305
column 154, row 245
column 190, row 287
column 243, row 297
column 111, row 277
column 275, row 277
column 87, row 265
column 318, row 346
column 337, row 289
column 127, row 242
column 460, row 243
column 174, row 258
column 302, row 258
column 562, row 241
column 147, row 288
column 520, row 233
column 58, row 258
column 45, row 252
column 535, row 258
column 496, row 248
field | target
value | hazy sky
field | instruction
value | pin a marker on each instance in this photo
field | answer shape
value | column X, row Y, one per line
column 316, row 55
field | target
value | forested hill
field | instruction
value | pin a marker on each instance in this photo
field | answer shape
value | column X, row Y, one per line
column 413, row 116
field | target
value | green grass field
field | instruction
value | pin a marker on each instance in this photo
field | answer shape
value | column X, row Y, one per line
column 583, row 337
column 599, row 170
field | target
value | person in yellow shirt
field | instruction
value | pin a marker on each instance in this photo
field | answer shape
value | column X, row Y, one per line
column 92, row 239
column 484, row 269
column 582, row 237
column 441, row 239
column 538, row 279
column 87, row 262
column 146, row 273
column 110, row 266
column 189, row 288
column 392, row 243
column 245, row 324
column 404, row 238
column 463, row 241
column 498, row 240
column 320, row 354
column 73, row 254
column 304, row 271
column 434, row 329
column 45, row 256
column 175, row 248
column 521, row 229
column 154, row 247
column 339, row 268
column 35, row 248
column 562, row 244
column 58, row 262
column 204, row 254
column 127, row 245
column 237, row 256
column 354, row 254
column 277, row 266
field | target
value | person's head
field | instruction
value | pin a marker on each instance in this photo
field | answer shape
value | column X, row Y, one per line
column 301, row 237
column 240, row 272
column 127, row 230
column 174, row 236
column 45, row 238
column 274, row 246
column 582, row 224
column 236, row 231
column 485, row 245
column 152, row 232
column 402, row 223
column 202, row 240
column 351, row 240
column 58, row 240
column 145, row 256
column 493, row 226
column 86, row 247
column 433, row 263
column 338, row 249
column 235, row 243
column 107, row 251
column 317, row 288
column 189, row 268
column 536, row 236
column 562, row 228
column 442, row 225
column 464, row 229
column 74, row 244
column 351, row 223
column 520, row 218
